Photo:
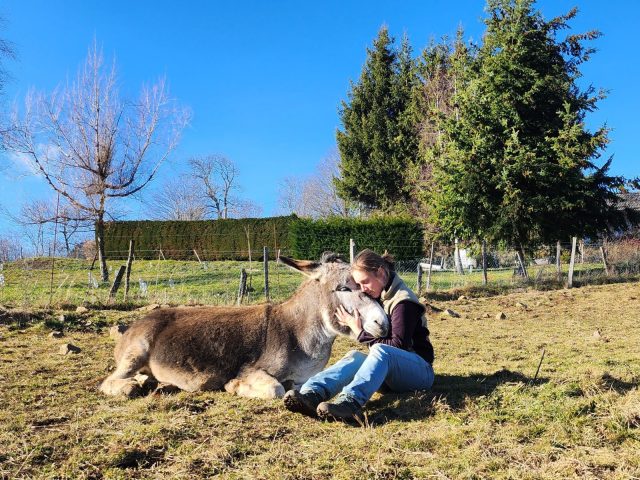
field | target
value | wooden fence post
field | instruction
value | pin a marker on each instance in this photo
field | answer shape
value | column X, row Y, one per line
column 558, row 262
column 128, row 271
column 243, row 285
column 456, row 258
column 197, row 256
column 572, row 262
column 116, row 282
column 604, row 260
column 484, row 262
column 430, row 264
column 265, row 252
column 419, row 280
column 352, row 250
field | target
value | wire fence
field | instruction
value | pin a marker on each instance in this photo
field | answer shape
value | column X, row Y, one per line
column 37, row 282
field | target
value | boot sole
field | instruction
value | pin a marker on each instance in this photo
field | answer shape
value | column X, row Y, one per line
column 357, row 419
column 293, row 405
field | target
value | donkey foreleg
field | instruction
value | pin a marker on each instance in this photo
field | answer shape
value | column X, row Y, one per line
column 255, row 383
column 121, row 381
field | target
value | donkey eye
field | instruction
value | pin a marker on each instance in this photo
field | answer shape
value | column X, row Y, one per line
column 342, row 288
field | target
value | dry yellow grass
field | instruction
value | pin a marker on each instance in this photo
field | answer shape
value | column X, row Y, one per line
column 485, row 417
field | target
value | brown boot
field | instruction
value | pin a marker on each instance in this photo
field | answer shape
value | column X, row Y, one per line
column 304, row 403
column 342, row 408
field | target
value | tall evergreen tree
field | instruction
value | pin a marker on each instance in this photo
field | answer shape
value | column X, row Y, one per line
column 517, row 163
column 378, row 140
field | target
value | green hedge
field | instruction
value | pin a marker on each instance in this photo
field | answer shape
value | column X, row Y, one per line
column 404, row 238
column 212, row 239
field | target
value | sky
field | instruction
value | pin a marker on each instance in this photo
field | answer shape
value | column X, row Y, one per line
column 264, row 80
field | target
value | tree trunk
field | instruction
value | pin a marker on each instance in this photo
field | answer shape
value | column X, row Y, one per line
column 104, row 271
column 520, row 253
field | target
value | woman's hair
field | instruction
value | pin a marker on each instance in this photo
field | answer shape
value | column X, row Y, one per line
column 369, row 261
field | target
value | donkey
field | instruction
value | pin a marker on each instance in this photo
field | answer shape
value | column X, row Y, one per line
column 256, row 351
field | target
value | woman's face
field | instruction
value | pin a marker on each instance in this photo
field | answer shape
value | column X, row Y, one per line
column 371, row 283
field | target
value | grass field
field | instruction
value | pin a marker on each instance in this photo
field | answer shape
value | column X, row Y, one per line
column 28, row 283
column 485, row 418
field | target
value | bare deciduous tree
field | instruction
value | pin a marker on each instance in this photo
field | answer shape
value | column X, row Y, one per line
column 316, row 196
column 209, row 190
column 178, row 199
column 217, row 177
column 40, row 216
column 92, row 147
column 7, row 52
column 10, row 248
column 245, row 209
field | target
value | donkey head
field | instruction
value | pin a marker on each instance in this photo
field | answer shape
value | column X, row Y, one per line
column 329, row 285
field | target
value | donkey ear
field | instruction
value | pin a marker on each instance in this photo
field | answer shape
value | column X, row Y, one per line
column 305, row 266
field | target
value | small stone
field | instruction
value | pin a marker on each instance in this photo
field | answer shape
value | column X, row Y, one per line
column 521, row 305
column 451, row 313
column 165, row 305
column 501, row 316
column 117, row 331
column 597, row 333
column 423, row 300
column 61, row 318
column 487, row 315
column 82, row 309
column 56, row 334
column 68, row 348
column 463, row 297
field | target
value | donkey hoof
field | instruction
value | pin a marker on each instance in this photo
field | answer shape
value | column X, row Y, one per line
column 132, row 390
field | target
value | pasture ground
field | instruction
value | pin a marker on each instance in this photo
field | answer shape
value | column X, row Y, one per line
column 485, row 418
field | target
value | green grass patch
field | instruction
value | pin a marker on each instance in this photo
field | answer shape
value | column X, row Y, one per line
column 486, row 417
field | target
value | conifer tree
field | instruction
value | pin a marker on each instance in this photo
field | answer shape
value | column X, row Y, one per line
column 516, row 164
column 378, row 142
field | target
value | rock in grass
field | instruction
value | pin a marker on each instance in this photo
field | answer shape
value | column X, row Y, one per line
column 598, row 336
column 521, row 305
column 68, row 348
column 56, row 334
column 117, row 331
column 452, row 313
column 501, row 316
column 487, row 315
column 82, row 309
column 61, row 318
column 463, row 297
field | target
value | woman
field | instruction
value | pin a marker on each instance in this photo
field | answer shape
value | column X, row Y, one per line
column 401, row 361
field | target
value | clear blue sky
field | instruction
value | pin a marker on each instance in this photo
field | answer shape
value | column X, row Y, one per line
column 264, row 79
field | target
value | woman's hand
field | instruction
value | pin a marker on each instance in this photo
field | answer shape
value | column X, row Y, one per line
column 351, row 321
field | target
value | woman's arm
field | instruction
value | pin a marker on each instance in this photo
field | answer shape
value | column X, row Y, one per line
column 405, row 317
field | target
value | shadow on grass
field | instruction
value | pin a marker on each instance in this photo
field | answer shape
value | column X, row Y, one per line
column 619, row 386
column 449, row 391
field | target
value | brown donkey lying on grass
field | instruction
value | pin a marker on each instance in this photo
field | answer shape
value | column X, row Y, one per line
column 255, row 351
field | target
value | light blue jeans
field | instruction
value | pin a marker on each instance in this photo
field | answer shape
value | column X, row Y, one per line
column 359, row 376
